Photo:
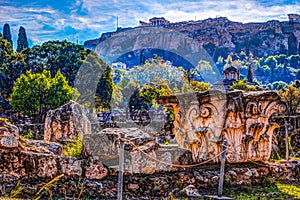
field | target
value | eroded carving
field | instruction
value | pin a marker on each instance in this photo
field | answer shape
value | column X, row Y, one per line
column 203, row 120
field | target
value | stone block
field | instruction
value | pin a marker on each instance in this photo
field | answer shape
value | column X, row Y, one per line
column 66, row 123
column 9, row 135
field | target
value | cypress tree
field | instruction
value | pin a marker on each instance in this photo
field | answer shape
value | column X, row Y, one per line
column 6, row 33
column 22, row 40
column 250, row 74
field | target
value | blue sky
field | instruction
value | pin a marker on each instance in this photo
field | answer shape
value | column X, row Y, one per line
column 86, row 19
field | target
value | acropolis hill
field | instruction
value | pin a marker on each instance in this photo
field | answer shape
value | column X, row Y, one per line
column 220, row 36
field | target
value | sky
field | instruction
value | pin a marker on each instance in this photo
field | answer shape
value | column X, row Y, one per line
column 82, row 20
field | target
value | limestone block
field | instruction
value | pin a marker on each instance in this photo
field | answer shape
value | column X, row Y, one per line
column 95, row 170
column 9, row 135
column 66, row 123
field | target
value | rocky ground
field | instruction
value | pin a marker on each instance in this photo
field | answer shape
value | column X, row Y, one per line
column 241, row 182
column 37, row 169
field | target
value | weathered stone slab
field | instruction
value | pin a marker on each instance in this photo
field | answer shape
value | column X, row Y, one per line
column 9, row 135
column 171, row 154
column 26, row 164
column 40, row 146
column 37, row 130
column 66, row 123
column 95, row 170
column 105, row 144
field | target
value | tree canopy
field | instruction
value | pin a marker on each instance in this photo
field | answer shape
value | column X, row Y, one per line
column 35, row 93
column 56, row 55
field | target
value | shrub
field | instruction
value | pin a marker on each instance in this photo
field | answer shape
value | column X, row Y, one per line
column 74, row 148
column 27, row 136
column 5, row 119
column 241, row 85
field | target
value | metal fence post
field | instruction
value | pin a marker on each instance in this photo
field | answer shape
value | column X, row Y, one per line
column 121, row 167
column 286, row 140
column 221, row 179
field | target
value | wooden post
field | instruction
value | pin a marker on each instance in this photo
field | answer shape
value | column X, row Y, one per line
column 121, row 167
column 221, row 179
column 286, row 140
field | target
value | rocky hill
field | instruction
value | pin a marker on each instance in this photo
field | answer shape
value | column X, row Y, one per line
column 220, row 36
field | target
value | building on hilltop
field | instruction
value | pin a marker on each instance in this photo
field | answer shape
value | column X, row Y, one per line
column 294, row 18
column 155, row 21
column 231, row 74
column 118, row 65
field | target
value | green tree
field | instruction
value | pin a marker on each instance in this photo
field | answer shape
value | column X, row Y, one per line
column 7, row 61
column 35, row 94
column 57, row 55
column 250, row 74
column 153, row 68
column 6, row 53
column 4, row 92
column 118, row 74
column 202, row 71
column 103, row 96
column 292, row 97
column 88, row 83
column 294, row 61
column 22, row 42
column 150, row 92
column 272, row 63
column 127, row 89
column 278, row 85
column 200, row 86
column 30, row 94
column 6, row 33
column 282, row 59
column 60, row 92
column 117, row 96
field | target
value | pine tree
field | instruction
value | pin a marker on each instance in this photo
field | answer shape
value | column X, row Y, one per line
column 22, row 40
column 6, row 33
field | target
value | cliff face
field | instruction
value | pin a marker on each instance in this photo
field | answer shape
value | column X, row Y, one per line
column 221, row 36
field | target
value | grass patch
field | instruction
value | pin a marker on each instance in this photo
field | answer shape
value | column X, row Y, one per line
column 289, row 189
column 265, row 192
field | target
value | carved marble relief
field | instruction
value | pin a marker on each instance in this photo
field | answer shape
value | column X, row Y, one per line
column 203, row 120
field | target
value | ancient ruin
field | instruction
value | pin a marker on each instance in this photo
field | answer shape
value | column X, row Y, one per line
column 66, row 123
column 203, row 120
